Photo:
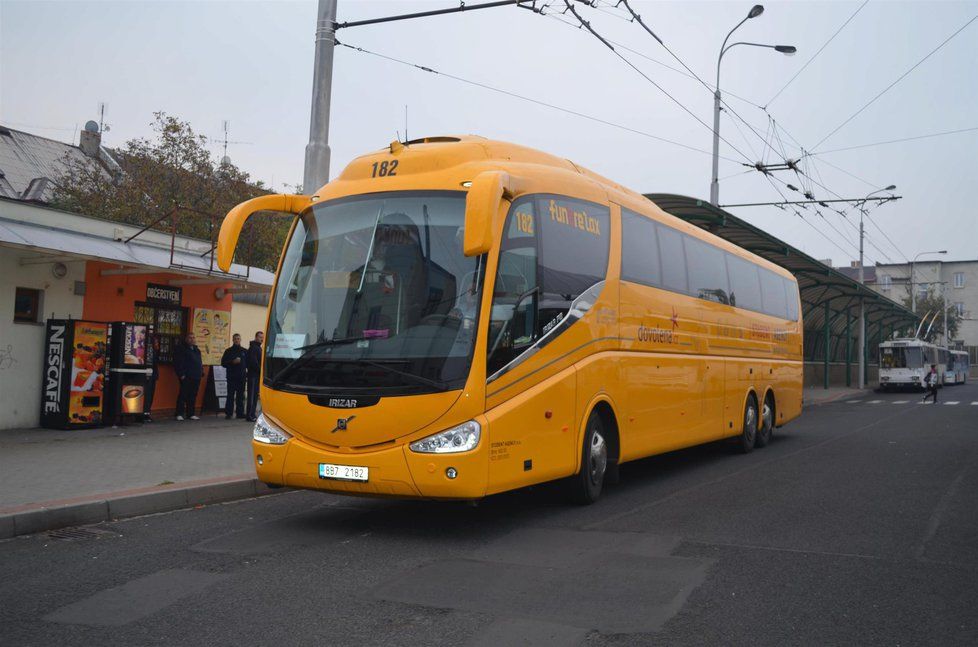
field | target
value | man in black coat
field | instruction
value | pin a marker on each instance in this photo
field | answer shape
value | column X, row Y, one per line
column 235, row 361
column 189, row 369
column 254, row 374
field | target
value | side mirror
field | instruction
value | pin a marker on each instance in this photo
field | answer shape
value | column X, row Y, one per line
column 488, row 190
column 227, row 240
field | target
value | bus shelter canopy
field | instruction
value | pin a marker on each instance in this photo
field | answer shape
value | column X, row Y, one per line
column 829, row 298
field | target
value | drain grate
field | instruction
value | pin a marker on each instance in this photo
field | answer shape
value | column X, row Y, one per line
column 77, row 534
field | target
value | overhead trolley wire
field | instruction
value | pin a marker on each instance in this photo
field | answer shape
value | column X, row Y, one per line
column 538, row 102
column 897, row 141
column 645, row 76
column 900, row 78
column 815, row 55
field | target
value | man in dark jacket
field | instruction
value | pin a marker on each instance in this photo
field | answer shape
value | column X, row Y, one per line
column 189, row 369
column 254, row 374
column 235, row 361
column 930, row 383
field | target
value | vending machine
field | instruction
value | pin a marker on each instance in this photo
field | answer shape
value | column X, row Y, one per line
column 73, row 384
column 129, row 370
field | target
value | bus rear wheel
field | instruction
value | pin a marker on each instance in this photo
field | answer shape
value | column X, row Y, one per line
column 767, row 422
column 585, row 486
column 744, row 443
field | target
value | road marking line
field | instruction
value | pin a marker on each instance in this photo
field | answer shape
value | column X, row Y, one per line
column 974, row 404
column 900, row 401
column 953, row 402
column 925, row 403
column 874, row 402
column 853, row 401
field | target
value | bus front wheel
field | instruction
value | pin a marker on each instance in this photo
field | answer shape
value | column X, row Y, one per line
column 744, row 443
column 585, row 487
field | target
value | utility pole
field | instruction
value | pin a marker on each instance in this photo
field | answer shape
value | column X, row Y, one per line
column 316, row 171
column 862, row 312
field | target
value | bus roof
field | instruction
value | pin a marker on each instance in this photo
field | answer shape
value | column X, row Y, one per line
column 448, row 161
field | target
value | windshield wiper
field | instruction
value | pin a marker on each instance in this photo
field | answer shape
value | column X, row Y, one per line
column 420, row 378
column 309, row 353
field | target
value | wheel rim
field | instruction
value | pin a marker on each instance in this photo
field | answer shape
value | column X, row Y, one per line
column 767, row 415
column 750, row 423
column 598, row 462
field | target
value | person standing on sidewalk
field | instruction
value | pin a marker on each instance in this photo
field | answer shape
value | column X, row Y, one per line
column 254, row 374
column 234, row 361
column 930, row 381
column 189, row 369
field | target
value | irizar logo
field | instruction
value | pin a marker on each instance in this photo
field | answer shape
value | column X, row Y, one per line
column 343, row 403
column 341, row 424
column 52, row 372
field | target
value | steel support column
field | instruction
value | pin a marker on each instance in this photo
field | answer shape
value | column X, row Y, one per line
column 848, row 346
column 828, row 329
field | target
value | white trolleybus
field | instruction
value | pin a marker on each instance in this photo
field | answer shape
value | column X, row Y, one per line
column 958, row 367
column 905, row 362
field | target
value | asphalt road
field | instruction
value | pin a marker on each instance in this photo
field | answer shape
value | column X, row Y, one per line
column 857, row 525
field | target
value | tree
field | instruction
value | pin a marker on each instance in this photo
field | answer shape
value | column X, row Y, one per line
column 929, row 305
column 172, row 174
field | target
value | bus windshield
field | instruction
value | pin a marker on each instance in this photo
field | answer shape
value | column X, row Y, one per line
column 375, row 296
column 901, row 357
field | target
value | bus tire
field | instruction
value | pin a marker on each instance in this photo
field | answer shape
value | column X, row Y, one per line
column 767, row 422
column 744, row 443
column 585, row 486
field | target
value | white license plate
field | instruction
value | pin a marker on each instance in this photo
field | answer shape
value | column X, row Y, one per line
column 343, row 472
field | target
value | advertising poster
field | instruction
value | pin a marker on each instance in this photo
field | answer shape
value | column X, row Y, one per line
column 87, row 373
column 212, row 328
column 135, row 345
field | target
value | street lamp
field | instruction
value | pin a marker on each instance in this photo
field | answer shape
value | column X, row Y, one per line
column 861, row 330
column 787, row 50
column 913, row 292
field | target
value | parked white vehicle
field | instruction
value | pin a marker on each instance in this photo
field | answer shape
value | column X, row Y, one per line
column 905, row 362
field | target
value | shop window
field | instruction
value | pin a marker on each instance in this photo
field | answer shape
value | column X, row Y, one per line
column 27, row 305
column 169, row 325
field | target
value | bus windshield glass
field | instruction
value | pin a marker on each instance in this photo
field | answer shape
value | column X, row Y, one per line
column 375, row 296
column 901, row 357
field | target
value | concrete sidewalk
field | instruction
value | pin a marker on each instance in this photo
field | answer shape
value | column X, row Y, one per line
column 814, row 395
column 51, row 479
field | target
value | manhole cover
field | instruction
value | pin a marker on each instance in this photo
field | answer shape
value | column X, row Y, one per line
column 76, row 534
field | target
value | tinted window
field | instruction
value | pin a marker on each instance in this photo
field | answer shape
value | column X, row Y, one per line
column 512, row 317
column 573, row 252
column 745, row 285
column 639, row 249
column 791, row 294
column 673, row 259
column 772, row 294
column 707, row 271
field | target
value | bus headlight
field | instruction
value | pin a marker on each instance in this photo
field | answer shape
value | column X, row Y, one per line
column 457, row 439
column 266, row 432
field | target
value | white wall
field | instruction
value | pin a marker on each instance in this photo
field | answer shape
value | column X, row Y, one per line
column 21, row 345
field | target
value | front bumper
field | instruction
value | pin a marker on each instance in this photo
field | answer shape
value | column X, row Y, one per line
column 395, row 471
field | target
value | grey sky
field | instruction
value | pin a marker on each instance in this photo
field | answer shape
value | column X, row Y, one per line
column 250, row 63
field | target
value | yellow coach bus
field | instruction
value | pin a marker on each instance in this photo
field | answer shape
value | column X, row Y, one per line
column 455, row 317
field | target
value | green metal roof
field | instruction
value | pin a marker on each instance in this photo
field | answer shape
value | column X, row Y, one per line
column 817, row 281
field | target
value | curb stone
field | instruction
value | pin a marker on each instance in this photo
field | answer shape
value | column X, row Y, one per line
column 110, row 508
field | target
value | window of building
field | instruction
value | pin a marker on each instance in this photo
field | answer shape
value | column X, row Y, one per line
column 959, row 307
column 885, row 282
column 959, row 279
column 639, row 250
column 922, row 289
column 27, row 305
column 169, row 325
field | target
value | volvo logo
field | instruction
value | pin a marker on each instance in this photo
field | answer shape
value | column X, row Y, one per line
column 341, row 424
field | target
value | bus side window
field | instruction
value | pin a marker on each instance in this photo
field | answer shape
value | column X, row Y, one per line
column 513, row 316
column 673, row 259
column 639, row 249
column 706, row 270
